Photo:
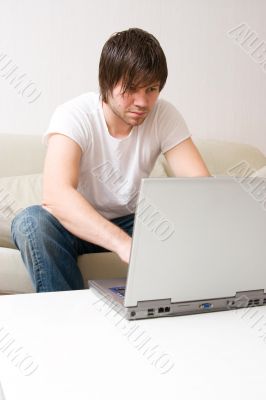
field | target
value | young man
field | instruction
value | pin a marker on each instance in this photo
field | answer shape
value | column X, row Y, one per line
column 99, row 148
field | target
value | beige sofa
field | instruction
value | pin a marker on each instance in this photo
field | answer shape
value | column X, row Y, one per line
column 21, row 165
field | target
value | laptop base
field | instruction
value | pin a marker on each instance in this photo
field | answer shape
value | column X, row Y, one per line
column 109, row 291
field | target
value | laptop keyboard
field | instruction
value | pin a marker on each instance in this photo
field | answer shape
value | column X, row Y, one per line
column 119, row 290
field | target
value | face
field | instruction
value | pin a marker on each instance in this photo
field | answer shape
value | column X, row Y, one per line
column 132, row 107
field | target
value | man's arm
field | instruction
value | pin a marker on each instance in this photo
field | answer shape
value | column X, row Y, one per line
column 63, row 201
column 185, row 160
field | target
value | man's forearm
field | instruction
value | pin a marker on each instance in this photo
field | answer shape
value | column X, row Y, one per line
column 80, row 218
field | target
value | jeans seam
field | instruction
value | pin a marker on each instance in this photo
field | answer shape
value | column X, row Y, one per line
column 35, row 255
column 12, row 231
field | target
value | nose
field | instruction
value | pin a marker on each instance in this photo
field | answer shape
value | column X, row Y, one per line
column 141, row 100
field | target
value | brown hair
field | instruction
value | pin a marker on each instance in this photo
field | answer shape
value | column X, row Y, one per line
column 136, row 57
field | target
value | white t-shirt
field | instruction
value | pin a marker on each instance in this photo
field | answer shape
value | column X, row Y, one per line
column 111, row 169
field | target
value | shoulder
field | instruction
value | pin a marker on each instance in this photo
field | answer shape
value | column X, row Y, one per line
column 164, row 113
column 165, row 107
column 84, row 104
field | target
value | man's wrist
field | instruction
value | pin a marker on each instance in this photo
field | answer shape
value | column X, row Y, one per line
column 120, row 240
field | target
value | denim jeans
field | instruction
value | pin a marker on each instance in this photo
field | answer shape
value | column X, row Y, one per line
column 50, row 252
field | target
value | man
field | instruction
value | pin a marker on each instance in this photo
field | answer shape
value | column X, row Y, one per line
column 99, row 148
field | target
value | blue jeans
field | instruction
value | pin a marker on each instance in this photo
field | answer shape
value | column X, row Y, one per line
column 50, row 251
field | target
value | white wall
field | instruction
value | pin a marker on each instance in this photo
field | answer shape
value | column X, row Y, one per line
column 217, row 86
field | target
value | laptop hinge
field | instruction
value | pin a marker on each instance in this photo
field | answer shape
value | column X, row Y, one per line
column 248, row 298
column 154, row 303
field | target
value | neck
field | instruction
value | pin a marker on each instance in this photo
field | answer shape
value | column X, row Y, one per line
column 116, row 126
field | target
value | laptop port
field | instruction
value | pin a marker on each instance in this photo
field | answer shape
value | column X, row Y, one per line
column 167, row 309
column 150, row 310
column 161, row 309
column 206, row 306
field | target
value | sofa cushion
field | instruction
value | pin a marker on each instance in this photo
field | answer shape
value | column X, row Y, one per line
column 260, row 172
column 221, row 156
column 21, row 154
column 15, row 278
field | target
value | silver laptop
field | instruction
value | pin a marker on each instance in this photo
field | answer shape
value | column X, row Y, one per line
column 199, row 245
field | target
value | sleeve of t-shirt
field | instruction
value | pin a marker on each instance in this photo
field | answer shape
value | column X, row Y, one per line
column 171, row 127
column 69, row 122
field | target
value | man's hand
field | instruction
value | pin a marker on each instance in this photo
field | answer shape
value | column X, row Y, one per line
column 125, row 249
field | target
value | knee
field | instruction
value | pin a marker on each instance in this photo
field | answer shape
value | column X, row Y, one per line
column 27, row 223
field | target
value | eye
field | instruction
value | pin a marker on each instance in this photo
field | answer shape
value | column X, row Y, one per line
column 132, row 88
column 152, row 89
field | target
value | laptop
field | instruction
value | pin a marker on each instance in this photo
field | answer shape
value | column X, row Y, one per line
column 198, row 245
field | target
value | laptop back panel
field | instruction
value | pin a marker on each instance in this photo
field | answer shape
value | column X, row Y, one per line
column 196, row 239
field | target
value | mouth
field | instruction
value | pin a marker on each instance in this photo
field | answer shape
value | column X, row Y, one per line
column 140, row 114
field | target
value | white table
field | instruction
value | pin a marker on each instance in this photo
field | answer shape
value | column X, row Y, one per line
column 82, row 352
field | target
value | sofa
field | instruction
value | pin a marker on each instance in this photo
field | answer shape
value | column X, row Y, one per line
column 21, row 166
